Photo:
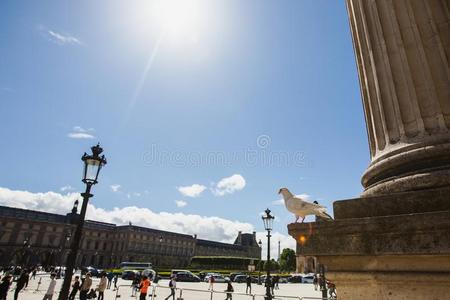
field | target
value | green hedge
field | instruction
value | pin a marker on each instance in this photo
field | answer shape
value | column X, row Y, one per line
column 222, row 262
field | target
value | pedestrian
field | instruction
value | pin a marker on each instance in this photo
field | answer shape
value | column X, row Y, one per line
column 33, row 274
column 272, row 284
column 134, row 286
column 211, row 281
column 173, row 286
column 85, row 286
column 276, row 280
column 102, row 287
column 4, row 286
column 229, row 291
column 20, row 284
column 75, row 287
column 315, row 282
column 332, row 289
column 51, row 288
column 143, row 287
column 27, row 278
column 110, row 278
column 248, row 281
column 116, row 278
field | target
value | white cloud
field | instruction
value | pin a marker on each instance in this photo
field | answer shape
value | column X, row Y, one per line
column 229, row 185
column 115, row 187
column 66, row 188
column 191, row 191
column 81, row 133
column 303, row 196
column 136, row 194
column 58, row 37
column 180, row 203
column 206, row 227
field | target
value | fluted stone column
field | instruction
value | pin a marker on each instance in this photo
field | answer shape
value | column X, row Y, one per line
column 402, row 49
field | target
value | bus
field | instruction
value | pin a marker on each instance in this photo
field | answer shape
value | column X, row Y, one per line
column 135, row 265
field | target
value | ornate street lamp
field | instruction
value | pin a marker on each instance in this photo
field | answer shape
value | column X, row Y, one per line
column 260, row 263
column 67, row 237
column 268, row 225
column 26, row 245
column 92, row 165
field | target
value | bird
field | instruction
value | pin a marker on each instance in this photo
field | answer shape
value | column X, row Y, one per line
column 301, row 208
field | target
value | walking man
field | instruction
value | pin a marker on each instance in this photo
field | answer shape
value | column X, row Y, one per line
column 20, row 284
column 115, row 281
column 4, row 286
column 51, row 288
column 75, row 287
column 315, row 282
column 229, row 291
column 86, row 286
column 110, row 278
column 248, row 280
column 173, row 286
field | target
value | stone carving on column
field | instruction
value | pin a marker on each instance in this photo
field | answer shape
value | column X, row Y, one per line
column 402, row 49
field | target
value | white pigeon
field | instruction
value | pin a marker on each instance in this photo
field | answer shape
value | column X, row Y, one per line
column 301, row 208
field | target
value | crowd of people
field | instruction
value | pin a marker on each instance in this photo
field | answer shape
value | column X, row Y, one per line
column 83, row 285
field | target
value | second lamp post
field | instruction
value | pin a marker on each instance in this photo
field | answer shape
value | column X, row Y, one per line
column 268, row 224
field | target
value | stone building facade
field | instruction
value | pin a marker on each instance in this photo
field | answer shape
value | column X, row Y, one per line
column 31, row 237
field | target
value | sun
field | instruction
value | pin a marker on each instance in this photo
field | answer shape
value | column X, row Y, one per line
column 178, row 18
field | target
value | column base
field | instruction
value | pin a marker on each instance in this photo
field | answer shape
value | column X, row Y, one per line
column 388, row 247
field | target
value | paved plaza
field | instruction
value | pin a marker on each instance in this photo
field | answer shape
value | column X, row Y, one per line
column 162, row 290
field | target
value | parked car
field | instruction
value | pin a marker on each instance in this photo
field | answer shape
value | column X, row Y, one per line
column 217, row 278
column 240, row 278
column 295, row 278
column 308, row 278
column 94, row 272
column 175, row 271
column 129, row 274
column 234, row 275
column 186, row 277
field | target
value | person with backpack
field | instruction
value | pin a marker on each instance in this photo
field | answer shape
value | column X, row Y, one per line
column 173, row 286
column 229, row 291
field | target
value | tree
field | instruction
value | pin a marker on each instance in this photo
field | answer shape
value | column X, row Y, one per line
column 288, row 260
column 273, row 265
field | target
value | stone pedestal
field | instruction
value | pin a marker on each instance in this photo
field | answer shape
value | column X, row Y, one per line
column 394, row 241
column 402, row 251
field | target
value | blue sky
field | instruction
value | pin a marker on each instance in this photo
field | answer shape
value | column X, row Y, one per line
column 186, row 94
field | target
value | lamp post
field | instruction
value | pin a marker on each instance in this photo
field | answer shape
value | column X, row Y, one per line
column 268, row 223
column 92, row 166
column 160, row 250
column 62, row 249
column 260, row 264
column 26, row 245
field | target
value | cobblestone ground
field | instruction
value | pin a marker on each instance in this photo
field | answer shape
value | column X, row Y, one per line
column 35, row 292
